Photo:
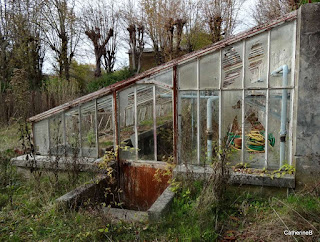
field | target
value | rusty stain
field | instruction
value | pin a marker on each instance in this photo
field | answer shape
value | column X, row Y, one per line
column 125, row 83
column 140, row 189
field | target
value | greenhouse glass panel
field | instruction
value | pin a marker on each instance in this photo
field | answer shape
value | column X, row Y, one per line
column 72, row 132
column 188, row 126
column 105, row 124
column 145, row 122
column 279, row 119
column 232, row 124
column 88, row 130
column 41, row 137
column 210, row 71
column 281, row 53
column 164, row 77
column 56, row 135
column 187, row 74
column 164, row 120
column 126, row 111
column 255, row 126
column 256, row 65
column 232, row 66
column 209, row 126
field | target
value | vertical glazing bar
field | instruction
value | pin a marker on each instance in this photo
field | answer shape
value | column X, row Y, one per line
column 198, row 111
column 96, row 125
column 80, row 134
column 33, row 137
column 175, row 115
column 220, row 101
column 49, row 143
column 243, row 102
column 266, row 145
column 116, row 129
column 135, row 123
column 64, row 133
column 154, row 123
column 113, row 123
column 290, row 157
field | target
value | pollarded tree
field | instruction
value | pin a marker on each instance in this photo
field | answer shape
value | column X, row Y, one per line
column 100, row 23
column 267, row 10
column 133, row 20
column 220, row 16
column 164, row 22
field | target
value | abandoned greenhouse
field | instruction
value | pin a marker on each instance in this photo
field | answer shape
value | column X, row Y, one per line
column 256, row 92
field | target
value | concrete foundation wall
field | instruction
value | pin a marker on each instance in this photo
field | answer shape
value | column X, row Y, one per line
column 307, row 142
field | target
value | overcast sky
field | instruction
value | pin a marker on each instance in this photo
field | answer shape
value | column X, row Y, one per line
column 85, row 54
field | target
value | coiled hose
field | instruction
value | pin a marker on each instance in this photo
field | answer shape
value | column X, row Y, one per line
column 255, row 141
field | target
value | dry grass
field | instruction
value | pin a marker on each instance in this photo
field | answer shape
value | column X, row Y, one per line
column 9, row 137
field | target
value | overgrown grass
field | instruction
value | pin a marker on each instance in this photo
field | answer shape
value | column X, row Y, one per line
column 243, row 215
column 9, row 137
column 32, row 215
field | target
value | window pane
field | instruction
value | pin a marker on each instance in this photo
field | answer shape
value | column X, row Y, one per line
column 88, row 131
column 255, row 123
column 232, row 66
column 164, row 123
column 281, row 52
column 41, row 137
column 231, row 124
column 145, row 122
column 165, row 77
column 105, row 124
column 210, row 71
column 126, row 119
column 209, row 134
column 72, row 132
column 256, row 61
column 56, row 135
column 188, row 76
column 276, row 117
column 188, row 126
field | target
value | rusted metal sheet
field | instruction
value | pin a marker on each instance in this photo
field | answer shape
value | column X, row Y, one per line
column 175, row 115
column 140, row 188
column 125, row 83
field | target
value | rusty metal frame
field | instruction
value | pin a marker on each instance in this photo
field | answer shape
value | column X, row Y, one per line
column 116, row 127
column 122, row 84
column 175, row 115
column 96, row 126
column 154, row 124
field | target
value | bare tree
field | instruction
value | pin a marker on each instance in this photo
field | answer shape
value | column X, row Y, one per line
column 266, row 10
column 165, row 20
column 100, row 22
column 133, row 18
column 20, row 40
column 62, row 32
column 220, row 16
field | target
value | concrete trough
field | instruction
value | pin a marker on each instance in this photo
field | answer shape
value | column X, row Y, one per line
column 144, row 198
column 241, row 178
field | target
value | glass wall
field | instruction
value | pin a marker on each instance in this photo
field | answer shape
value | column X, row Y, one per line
column 237, row 98
column 105, row 124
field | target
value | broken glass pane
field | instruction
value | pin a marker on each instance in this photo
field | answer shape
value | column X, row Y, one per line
column 232, row 66
column 256, row 61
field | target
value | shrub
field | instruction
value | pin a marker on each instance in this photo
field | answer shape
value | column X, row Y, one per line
column 108, row 79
